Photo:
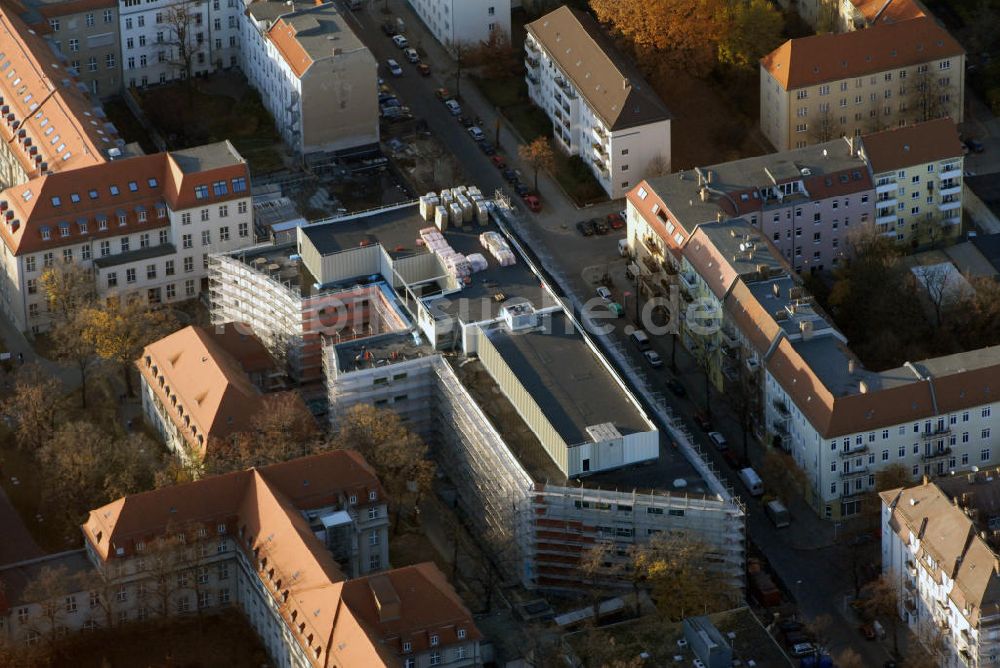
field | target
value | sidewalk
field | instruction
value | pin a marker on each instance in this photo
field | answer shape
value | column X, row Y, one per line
column 17, row 344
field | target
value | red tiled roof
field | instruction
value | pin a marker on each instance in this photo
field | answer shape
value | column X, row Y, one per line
column 808, row 61
column 918, row 144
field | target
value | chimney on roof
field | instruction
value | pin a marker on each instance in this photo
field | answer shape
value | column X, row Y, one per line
column 626, row 83
column 863, row 387
column 709, row 176
column 850, row 366
column 386, row 599
column 703, row 194
column 996, row 564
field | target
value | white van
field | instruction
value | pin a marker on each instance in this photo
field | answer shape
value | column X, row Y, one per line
column 778, row 513
column 623, row 247
column 640, row 339
column 752, row 481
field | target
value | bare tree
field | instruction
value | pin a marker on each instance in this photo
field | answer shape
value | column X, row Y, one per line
column 937, row 281
column 597, row 566
column 883, row 603
column 51, row 590
column 928, row 96
column 825, row 127
column 184, row 40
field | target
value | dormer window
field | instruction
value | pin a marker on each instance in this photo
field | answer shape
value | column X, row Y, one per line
column 407, row 646
column 133, row 186
column 46, row 233
column 372, row 495
column 152, row 183
column 434, row 641
column 64, row 229
column 461, row 634
column 114, row 190
column 56, row 201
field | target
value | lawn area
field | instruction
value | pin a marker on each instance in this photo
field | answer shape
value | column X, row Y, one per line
column 191, row 115
column 223, row 639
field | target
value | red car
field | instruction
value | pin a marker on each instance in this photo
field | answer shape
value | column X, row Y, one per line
column 424, row 69
column 498, row 162
column 534, row 204
column 702, row 421
column 616, row 221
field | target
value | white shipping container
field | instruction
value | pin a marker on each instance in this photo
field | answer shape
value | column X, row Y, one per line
column 441, row 217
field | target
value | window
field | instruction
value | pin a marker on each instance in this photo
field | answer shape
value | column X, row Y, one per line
column 74, row 44
column 150, row 271
column 32, row 286
column 186, row 241
column 224, row 233
column 201, row 192
column 168, row 268
column 122, row 594
column 902, row 451
column 219, row 188
column 986, row 412
column 885, row 455
column 243, row 229
column 434, row 641
column 109, row 61
column 67, row 255
column 241, row 207
column 372, row 512
column 124, row 243
column 204, row 215
column 130, row 275
column 984, row 455
column 374, row 562
column 144, row 240
column 206, row 237
column 223, row 211
column 407, row 647
column 171, row 291
column 188, row 264
column 985, row 433
column 164, row 236
column 373, row 537
column 223, row 543
column 965, row 437
column 435, row 657
column 183, row 604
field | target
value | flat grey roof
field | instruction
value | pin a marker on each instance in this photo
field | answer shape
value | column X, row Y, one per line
column 323, row 32
column 379, row 350
column 680, row 190
column 735, row 238
column 569, row 384
column 396, row 229
column 207, row 156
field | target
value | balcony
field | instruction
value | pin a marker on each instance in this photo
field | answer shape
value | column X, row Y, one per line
column 854, row 471
column 953, row 173
column 599, row 150
column 911, row 568
column 530, row 46
column 888, row 219
column 886, row 202
column 531, row 63
column 728, row 337
column 938, row 432
column 950, row 206
column 688, row 281
column 852, row 451
column 600, row 134
column 531, row 78
column 950, row 190
column 782, row 410
column 936, row 454
column 954, row 220
column 887, row 187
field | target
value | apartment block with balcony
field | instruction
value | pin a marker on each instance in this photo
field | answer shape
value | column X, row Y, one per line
column 814, row 89
column 166, row 40
column 87, row 34
column 918, row 181
column 463, row 22
column 145, row 225
column 940, row 549
column 601, row 108
column 318, row 80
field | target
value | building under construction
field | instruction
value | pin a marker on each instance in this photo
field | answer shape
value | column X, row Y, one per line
column 549, row 451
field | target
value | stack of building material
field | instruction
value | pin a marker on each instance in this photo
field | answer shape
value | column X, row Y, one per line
column 498, row 248
column 428, row 206
column 456, row 263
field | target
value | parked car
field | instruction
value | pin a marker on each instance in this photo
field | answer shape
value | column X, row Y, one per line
column 509, row 175
column 522, row 189
column 616, row 221
column 390, row 102
column 465, row 122
column 653, row 358
column 476, row 133
column 802, row 649
column 389, row 28
column 702, row 421
column 975, row 145
column 411, row 55
column 600, row 226
column 454, row 108
column 442, row 94
column 394, row 68
column 400, row 41
column 867, row 630
column 424, row 69
column 585, row 228
column 676, row 388
column 718, row 440
column 604, row 293
column 498, row 162
column 487, row 148
column 534, row 204
column 616, row 309
column 787, row 625
column 384, row 95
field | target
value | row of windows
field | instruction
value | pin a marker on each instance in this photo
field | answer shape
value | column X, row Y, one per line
column 824, row 89
column 89, row 20
column 929, row 427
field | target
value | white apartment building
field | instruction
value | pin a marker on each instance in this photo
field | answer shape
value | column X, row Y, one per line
column 160, row 39
column 314, row 75
column 917, row 172
column 463, row 22
column 940, row 550
column 601, row 108
column 146, row 225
